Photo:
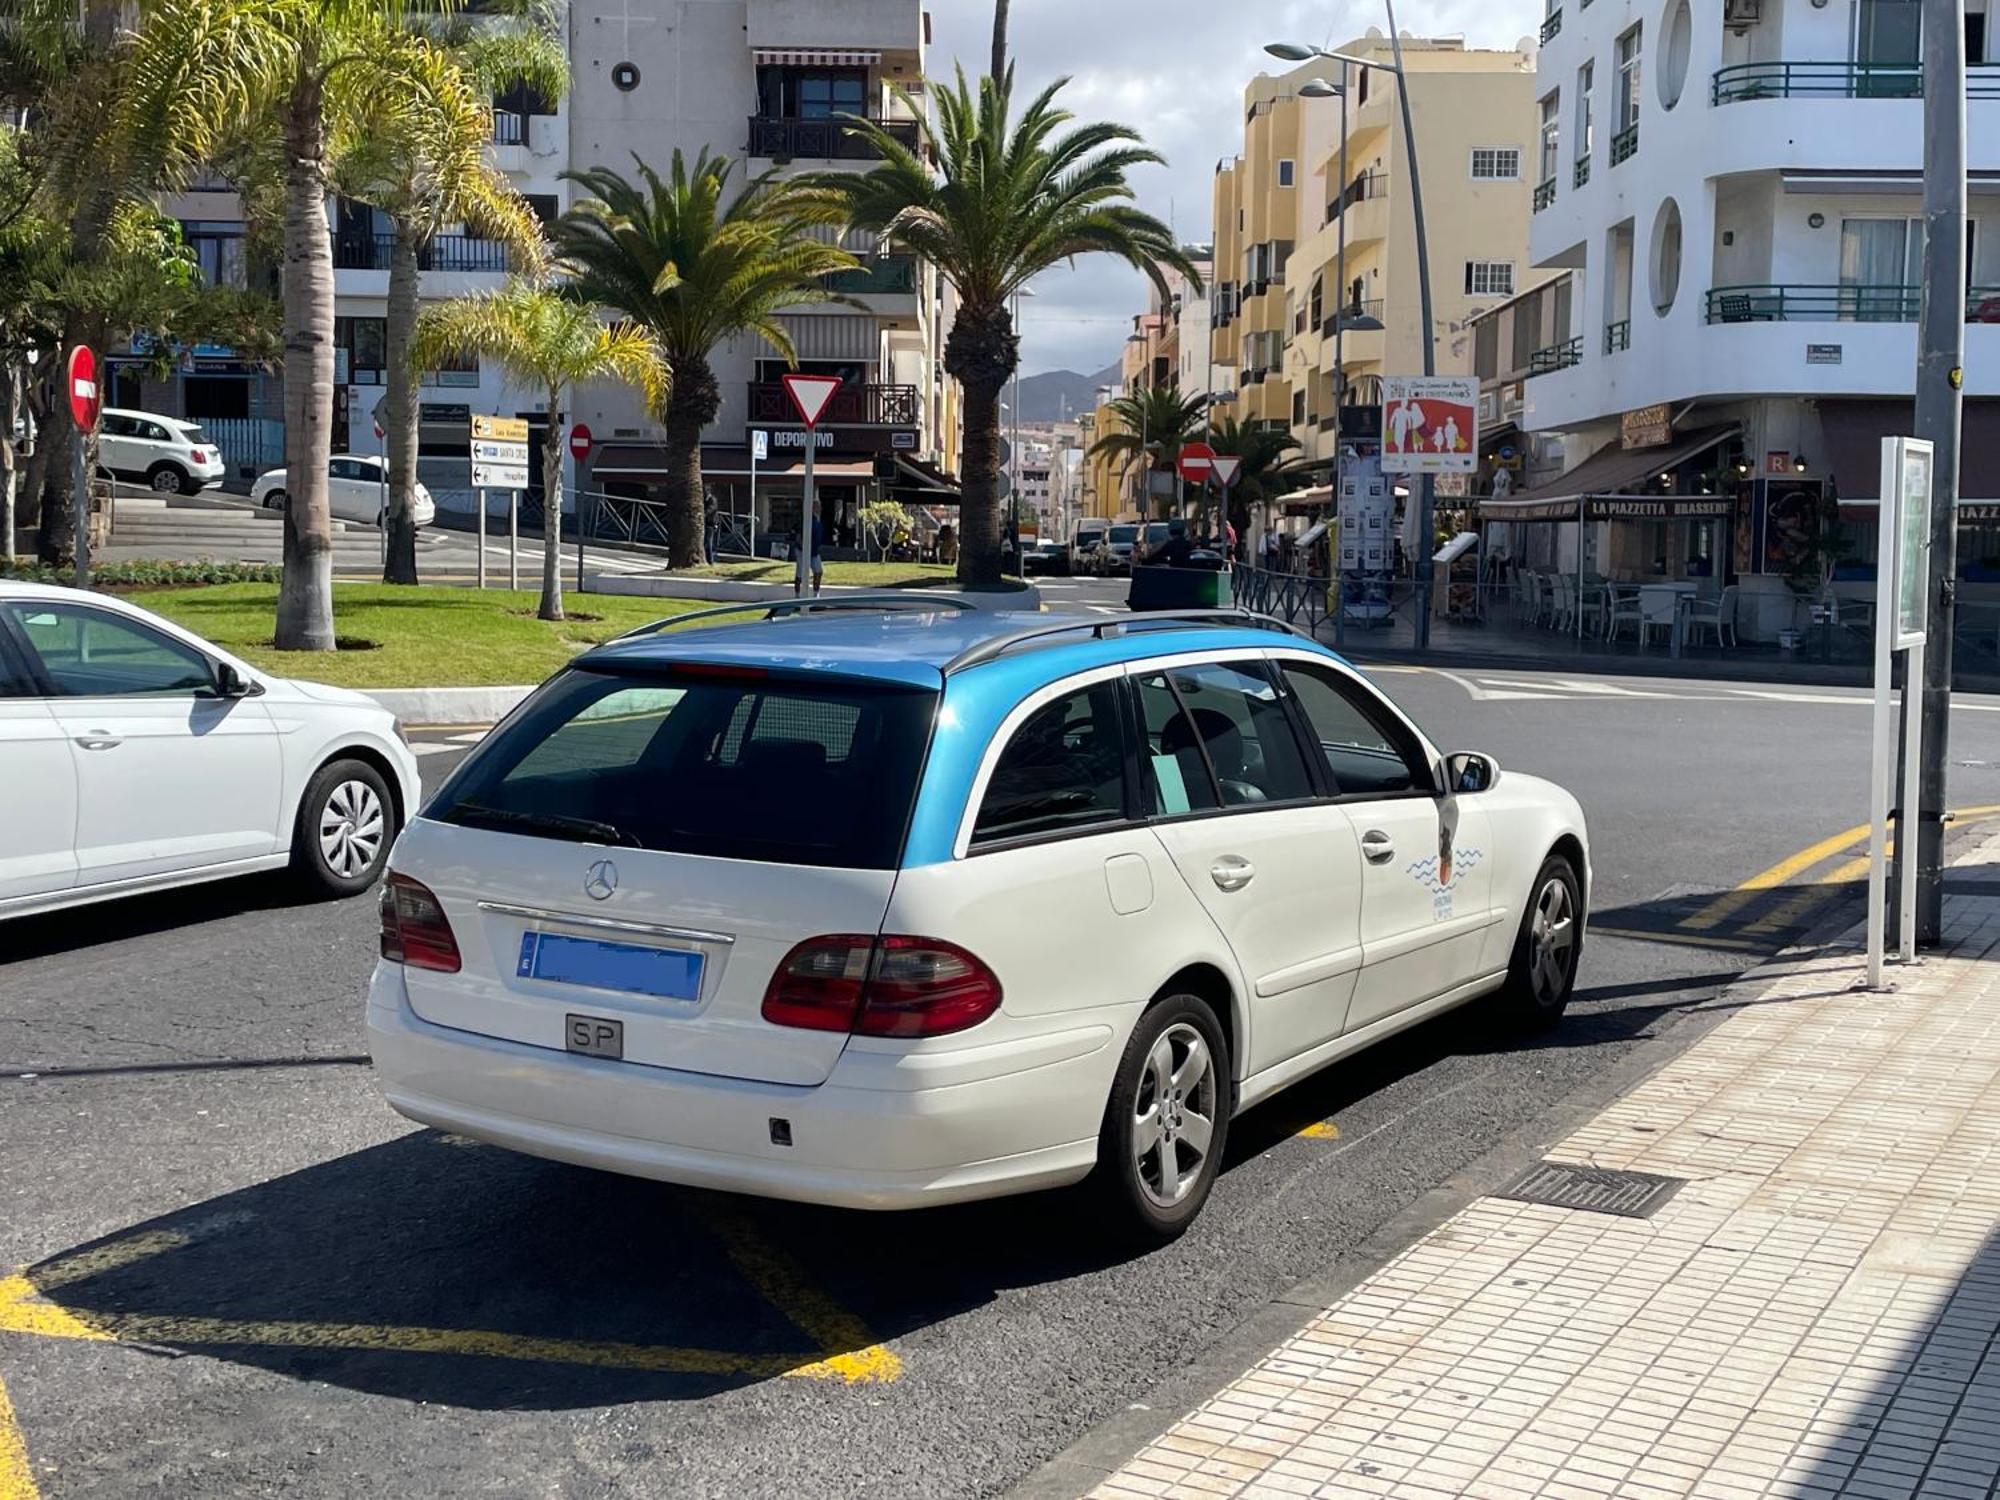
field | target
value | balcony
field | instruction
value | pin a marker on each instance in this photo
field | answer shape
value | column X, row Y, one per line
column 882, row 276
column 1556, row 357
column 1372, row 308
column 850, row 406
column 780, row 138
column 1617, row 335
column 509, row 128
column 1625, row 143
column 1552, row 25
column 446, row 252
column 1365, row 187
column 1582, row 173
column 1545, row 193
column 1839, row 80
column 1771, row 302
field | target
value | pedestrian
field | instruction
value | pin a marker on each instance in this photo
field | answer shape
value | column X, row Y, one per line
column 818, row 553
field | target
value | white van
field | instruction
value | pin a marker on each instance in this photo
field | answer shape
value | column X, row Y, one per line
column 165, row 453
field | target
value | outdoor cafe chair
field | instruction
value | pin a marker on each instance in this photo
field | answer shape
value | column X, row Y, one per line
column 1624, row 609
column 1717, row 616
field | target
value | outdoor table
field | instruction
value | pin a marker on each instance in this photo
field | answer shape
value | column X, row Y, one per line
column 1660, row 604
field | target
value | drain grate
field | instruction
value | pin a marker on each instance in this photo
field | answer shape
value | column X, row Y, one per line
column 1597, row 1190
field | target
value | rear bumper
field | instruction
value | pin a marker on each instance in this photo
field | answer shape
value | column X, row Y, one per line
column 869, row 1137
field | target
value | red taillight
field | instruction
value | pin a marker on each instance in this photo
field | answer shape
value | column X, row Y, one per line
column 887, row 986
column 197, row 455
column 414, row 928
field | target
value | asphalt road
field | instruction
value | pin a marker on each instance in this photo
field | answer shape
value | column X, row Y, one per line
column 246, row 1276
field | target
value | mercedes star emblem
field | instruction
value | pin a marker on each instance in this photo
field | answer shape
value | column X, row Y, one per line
column 600, row 880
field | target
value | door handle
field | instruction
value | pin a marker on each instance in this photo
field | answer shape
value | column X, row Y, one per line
column 97, row 739
column 1377, row 847
column 1232, row 872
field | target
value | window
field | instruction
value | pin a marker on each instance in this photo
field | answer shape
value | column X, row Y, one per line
column 1298, row 408
column 1486, row 348
column 1287, row 170
column 1551, row 134
column 218, row 248
column 788, row 93
column 1218, row 735
column 1064, row 769
column 1367, row 754
column 522, row 98
column 1628, row 79
column 365, row 343
column 1496, row 163
column 1585, row 77
column 355, row 468
column 87, row 653
column 757, row 768
column 1489, row 278
column 1527, row 329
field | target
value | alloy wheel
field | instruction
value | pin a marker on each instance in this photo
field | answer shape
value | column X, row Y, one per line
column 351, row 826
column 1174, row 1115
column 1552, row 942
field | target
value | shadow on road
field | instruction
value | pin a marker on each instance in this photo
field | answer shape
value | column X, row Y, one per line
column 103, row 922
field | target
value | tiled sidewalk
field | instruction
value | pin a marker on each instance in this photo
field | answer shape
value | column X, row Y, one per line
column 1814, row 1315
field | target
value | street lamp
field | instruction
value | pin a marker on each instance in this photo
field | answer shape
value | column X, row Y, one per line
column 1427, row 486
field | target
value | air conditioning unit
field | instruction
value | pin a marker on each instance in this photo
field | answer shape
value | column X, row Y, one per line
column 1741, row 15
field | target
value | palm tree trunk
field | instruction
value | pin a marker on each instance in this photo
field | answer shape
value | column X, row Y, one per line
column 981, row 351
column 690, row 408
column 10, row 461
column 28, row 504
column 399, row 408
column 552, row 494
column 305, row 593
column 999, row 39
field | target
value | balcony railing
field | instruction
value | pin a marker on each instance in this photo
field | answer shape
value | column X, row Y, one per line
column 1372, row 308
column 885, row 276
column 1617, row 335
column 776, row 136
column 509, row 129
column 446, row 252
column 1556, row 357
column 1367, row 185
column 1625, row 143
column 1552, row 25
column 850, row 406
column 1545, row 193
column 1770, row 302
column 1840, row 80
column 1582, row 173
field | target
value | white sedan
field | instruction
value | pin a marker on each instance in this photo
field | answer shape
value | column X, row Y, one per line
column 356, row 490
column 135, row 756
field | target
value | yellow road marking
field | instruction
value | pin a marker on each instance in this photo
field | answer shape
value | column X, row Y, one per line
column 83, row 1264
column 1791, row 911
column 17, row 1479
column 1320, row 1130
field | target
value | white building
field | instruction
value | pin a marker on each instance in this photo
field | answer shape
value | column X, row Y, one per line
column 1735, row 188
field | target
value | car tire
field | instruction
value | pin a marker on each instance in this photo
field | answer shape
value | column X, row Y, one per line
column 275, row 500
column 1140, row 1144
column 168, row 479
column 345, row 825
column 1542, row 974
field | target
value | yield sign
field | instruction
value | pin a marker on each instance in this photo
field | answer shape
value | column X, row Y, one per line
column 810, row 394
column 1196, row 459
column 1222, row 469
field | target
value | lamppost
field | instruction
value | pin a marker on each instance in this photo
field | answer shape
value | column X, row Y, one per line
column 1427, row 484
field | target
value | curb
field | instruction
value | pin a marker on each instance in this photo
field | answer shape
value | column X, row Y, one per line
column 735, row 591
column 450, row 705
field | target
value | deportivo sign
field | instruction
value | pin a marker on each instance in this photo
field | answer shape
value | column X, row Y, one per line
column 1430, row 424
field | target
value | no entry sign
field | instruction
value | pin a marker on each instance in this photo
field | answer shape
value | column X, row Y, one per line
column 1196, row 460
column 85, row 401
column 580, row 441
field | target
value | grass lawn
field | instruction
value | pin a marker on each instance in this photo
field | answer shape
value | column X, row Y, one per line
column 874, row 575
column 432, row 636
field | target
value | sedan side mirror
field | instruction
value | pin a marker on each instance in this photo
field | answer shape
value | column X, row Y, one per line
column 1470, row 771
column 230, row 683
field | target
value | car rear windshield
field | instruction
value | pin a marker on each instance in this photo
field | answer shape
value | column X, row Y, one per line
column 1124, row 533
column 706, row 760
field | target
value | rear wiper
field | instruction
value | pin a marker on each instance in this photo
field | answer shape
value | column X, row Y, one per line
column 555, row 823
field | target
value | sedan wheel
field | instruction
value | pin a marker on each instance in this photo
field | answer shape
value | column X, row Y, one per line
column 1174, row 1123
column 1542, row 975
column 346, row 823
column 1553, row 936
column 352, row 826
column 1167, row 1121
column 166, row 480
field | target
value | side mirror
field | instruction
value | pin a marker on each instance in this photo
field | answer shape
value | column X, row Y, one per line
column 230, row 683
column 1469, row 771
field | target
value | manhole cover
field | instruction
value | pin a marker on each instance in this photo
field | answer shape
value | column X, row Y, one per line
column 1597, row 1190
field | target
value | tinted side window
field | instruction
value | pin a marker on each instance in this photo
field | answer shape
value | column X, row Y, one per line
column 1063, row 769
column 1176, row 777
column 115, row 426
column 88, row 653
column 1241, row 722
column 1365, row 755
column 153, row 432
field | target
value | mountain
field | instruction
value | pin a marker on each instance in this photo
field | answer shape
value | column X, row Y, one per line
column 1055, row 395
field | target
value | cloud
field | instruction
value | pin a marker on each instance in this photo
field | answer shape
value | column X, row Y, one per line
column 1175, row 71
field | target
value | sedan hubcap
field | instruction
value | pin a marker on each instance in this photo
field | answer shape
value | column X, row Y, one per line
column 1174, row 1116
column 1552, row 941
column 351, row 826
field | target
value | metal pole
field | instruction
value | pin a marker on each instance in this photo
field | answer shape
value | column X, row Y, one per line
column 1882, row 758
column 1940, row 357
column 382, row 509
column 804, row 573
column 1014, row 493
column 513, row 539
column 579, row 536
column 1339, row 373
column 479, row 535
column 80, row 476
column 1914, row 690
column 1427, row 483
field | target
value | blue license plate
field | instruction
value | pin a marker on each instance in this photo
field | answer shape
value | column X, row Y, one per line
column 665, row 973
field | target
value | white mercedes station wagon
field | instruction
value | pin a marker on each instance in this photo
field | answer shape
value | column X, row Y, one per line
column 886, row 907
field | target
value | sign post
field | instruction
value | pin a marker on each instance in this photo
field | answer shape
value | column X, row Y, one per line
column 810, row 394
column 85, row 402
column 500, row 462
column 580, row 444
column 1903, row 568
column 1430, row 426
column 760, row 450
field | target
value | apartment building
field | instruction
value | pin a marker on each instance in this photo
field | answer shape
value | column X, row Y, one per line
column 1734, row 189
column 1512, row 343
column 1168, row 347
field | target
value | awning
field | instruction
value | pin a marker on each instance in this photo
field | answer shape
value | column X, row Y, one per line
column 1306, row 501
column 1852, row 433
column 1610, row 477
column 811, row 57
column 921, row 483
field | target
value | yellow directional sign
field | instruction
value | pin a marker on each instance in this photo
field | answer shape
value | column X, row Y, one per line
column 502, row 429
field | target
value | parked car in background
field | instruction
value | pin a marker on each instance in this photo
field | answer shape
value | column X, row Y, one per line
column 135, row 756
column 1045, row 555
column 1037, row 902
column 1115, row 556
column 166, row 454
column 356, row 488
column 1084, row 544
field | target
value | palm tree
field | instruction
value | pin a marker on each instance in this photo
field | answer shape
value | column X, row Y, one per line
column 430, row 176
column 1154, row 424
column 206, row 75
column 552, row 339
column 1265, row 472
column 669, row 255
column 1000, row 206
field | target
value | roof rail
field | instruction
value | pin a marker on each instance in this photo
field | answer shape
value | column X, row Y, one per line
column 1168, row 619
column 874, row 599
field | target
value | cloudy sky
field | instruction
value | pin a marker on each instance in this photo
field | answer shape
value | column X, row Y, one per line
column 1174, row 70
